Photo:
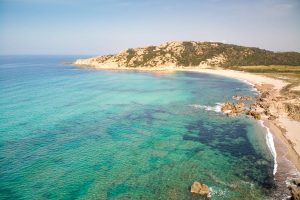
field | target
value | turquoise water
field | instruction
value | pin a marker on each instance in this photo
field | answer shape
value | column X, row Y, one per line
column 69, row 133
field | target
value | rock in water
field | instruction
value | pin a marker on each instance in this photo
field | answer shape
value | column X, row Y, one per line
column 201, row 189
column 233, row 109
column 227, row 107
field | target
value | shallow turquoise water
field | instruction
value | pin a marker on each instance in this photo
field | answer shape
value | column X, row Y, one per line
column 69, row 133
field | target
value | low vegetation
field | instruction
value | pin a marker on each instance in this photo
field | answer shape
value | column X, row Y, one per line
column 187, row 54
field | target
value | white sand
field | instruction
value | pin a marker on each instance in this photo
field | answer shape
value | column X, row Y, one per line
column 244, row 76
column 293, row 132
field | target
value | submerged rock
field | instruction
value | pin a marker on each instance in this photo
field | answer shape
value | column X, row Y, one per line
column 201, row 189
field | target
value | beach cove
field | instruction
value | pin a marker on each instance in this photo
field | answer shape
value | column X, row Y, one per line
column 70, row 132
column 282, row 132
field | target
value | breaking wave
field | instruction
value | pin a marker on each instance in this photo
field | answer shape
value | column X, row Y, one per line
column 216, row 108
column 253, row 88
column 271, row 145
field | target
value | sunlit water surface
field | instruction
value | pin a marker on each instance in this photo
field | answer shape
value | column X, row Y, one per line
column 69, row 133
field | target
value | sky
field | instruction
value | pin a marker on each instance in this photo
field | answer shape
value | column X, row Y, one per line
column 98, row 27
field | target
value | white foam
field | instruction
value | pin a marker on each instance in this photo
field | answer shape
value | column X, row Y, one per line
column 252, row 85
column 216, row 108
column 271, row 145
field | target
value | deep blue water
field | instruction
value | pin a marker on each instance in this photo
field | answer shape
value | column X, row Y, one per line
column 71, row 133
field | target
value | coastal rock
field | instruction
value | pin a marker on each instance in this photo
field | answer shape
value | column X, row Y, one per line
column 272, row 117
column 199, row 188
column 233, row 109
column 265, row 94
column 297, row 182
column 264, row 105
column 254, row 114
column 293, row 111
column 239, row 107
column 242, row 98
column 295, row 189
column 227, row 107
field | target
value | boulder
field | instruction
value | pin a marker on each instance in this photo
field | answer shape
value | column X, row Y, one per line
column 264, row 105
column 265, row 94
column 296, row 182
column 201, row 189
column 272, row 117
column 295, row 191
column 254, row 114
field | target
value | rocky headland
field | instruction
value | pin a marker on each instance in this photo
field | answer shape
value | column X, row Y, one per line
column 190, row 54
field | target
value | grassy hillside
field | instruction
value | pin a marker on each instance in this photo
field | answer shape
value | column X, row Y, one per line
column 237, row 55
column 186, row 54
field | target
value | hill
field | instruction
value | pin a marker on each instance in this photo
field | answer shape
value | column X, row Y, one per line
column 187, row 54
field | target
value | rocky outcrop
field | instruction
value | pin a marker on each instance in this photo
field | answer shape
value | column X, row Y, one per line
column 254, row 114
column 293, row 111
column 242, row 98
column 201, row 189
column 270, row 104
column 295, row 189
column 233, row 109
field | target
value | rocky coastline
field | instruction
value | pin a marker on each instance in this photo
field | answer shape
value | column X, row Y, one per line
column 270, row 105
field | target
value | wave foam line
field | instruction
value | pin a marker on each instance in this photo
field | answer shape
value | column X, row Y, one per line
column 252, row 85
column 271, row 145
column 216, row 108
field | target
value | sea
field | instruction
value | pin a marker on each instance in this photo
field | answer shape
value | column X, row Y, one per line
column 78, row 133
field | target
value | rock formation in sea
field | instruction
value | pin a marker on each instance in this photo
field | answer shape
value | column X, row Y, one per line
column 201, row 189
column 233, row 109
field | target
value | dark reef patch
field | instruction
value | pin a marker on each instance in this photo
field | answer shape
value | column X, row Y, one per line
column 221, row 138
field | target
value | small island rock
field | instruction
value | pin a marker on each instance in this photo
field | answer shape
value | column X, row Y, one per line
column 201, row 189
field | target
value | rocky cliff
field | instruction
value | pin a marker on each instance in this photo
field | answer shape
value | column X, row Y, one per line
column 185, row 54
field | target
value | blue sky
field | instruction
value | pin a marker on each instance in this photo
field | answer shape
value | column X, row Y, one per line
column 108, row 26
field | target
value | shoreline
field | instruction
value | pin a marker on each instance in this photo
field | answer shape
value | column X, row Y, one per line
column 284, row 129
column 280, row 129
